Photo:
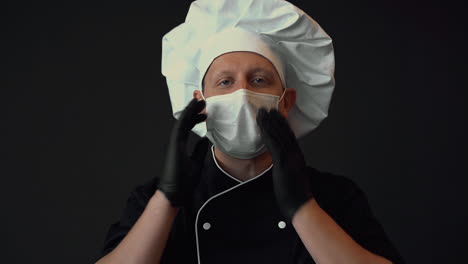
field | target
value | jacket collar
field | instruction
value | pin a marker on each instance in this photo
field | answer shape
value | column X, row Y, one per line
column 215, row 179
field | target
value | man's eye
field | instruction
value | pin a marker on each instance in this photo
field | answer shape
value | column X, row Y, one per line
column 261, row 80
column 224, row 82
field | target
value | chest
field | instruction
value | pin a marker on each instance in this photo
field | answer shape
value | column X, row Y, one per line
column 239, row 226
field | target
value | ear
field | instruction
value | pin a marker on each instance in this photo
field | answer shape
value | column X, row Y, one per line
column 197, row 94
column 289, row 100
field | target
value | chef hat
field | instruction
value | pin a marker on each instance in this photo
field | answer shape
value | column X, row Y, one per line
column 299, row 49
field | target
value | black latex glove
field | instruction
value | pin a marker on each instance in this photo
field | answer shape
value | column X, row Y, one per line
column 182, row 172
column 290, row 178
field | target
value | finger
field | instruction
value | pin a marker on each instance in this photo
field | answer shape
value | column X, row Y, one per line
column 278, row 134
column 190, row 116
column 288, row 142
column 274, row 128
column 283, row 128
column 188, row 125
column 199, row 118
column 266, row 131
column 281, row 120
column 194, row 107
column 262, row 120
column 261, row 117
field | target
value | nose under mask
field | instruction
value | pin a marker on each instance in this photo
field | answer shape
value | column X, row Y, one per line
column 231, row 121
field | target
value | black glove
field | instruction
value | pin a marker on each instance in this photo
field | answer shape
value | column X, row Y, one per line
column 181, row 172
column 291, row 181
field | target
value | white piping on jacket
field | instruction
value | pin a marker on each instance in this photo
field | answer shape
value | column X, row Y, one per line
column 219, row 194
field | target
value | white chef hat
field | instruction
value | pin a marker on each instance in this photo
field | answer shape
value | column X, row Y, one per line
column 296, row 45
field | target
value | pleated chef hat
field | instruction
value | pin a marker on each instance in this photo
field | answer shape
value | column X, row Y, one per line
column 296, row 45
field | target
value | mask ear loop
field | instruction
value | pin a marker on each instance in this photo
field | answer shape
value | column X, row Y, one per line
column 201, row 92
column 284, row 92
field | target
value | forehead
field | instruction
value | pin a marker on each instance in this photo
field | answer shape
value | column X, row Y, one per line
column 240, row 60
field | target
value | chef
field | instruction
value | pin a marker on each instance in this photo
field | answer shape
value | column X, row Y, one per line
column 249, row 77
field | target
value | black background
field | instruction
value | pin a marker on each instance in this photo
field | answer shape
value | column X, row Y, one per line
column 86, row 117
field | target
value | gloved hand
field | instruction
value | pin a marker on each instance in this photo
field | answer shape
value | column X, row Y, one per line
column 290, row 178
column 182, row 172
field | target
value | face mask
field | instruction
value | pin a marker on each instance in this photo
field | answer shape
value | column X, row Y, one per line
column 231, row 123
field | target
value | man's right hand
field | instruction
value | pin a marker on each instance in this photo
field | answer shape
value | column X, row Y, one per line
column 182, row 172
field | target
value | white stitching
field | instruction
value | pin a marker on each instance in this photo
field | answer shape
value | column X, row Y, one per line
column 223, row 192
column 219, row 167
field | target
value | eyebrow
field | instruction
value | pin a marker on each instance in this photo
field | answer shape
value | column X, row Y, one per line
column 268, row 73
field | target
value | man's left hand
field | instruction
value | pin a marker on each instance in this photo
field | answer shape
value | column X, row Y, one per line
column 290, row 178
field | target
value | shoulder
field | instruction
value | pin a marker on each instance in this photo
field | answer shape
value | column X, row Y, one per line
column 324, row 182
column 136, row 203
column 142, row 192
column 334, row 192
column 137, row 200
column 348, row 205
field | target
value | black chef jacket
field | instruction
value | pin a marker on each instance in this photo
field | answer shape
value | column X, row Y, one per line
column 230, row 221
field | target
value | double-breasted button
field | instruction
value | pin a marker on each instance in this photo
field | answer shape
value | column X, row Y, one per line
column 206, row 226
column 281, row 224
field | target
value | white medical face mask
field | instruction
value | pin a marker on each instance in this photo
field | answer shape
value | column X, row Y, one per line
column 231, row 121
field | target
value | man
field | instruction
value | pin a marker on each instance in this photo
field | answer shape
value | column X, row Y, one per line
column 250, row 197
